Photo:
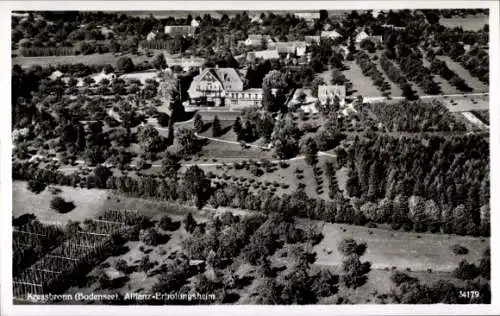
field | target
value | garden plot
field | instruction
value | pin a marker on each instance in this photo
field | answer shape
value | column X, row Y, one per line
column 473, row 82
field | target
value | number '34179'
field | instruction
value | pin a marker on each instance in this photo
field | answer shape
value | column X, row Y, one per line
column 469, row 294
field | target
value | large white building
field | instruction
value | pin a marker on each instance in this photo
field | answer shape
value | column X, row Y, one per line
column 222, row 87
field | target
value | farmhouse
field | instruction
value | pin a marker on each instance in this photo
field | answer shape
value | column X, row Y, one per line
column 221, row 87
column 310, row 17
column 295, row 48
column 361, row 36
column 326, row 93
column 151, row 36
column 179, row 30
column 330, row 34
column 263, row 54
column 195, row 23
column 55, row 75
column 256, row 39
column 312, row 38
column 256, row 19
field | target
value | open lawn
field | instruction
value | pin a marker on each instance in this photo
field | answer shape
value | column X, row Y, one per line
column 473, row 82
column 360, row 83
column 93, row 59
column 467, row 103
column 403, row 250
column 472, row 23
column 88, row 203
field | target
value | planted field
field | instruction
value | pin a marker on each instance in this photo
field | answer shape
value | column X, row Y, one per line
column 360, row 83
column 473, row 82
column 467, row 103
column 470, row 23
column 282, row 180
column 387, row 248
column 93, row 59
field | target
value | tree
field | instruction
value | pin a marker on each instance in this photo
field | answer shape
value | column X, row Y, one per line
column 197, row 185
column 268, row 292
column 237, row 126
column 170, row 165
column 102, row 174
column 317, row 81
column 198, row 123
column 60, row 205
column 125, row 65
column 466, row 271
column 354, row 271
column 311, row 151
column 187, row 141
column 269, row 100
column 189, row 223
column 216, row 128
column 159, row 62
column 349, row 246
column 163, row 119
column 274, row 80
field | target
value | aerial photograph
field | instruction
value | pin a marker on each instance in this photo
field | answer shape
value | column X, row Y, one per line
column 250, row 157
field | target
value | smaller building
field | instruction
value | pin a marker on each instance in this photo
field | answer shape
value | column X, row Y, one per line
column 263, row 54
column 313, row 39
column 308, row 16
column 257, row 20
column 330, row 34
column 55, row 75
column 326, row 93
column 361, row 36
column 195, row 23
column 151, row 36
column 296, row 48
column 256, row 39
column 180, row 30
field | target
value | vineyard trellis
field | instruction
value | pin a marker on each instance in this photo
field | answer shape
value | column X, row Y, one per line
column 76, row 255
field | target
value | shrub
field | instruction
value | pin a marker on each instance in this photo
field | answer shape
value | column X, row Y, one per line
column 460, row 250
column 399, row 277
column 466, row 271
column 60, row 205
column 167, row 224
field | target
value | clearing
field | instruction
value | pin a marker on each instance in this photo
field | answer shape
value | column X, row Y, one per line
column 360, row 83
column 470, row 23
column 473, row 82
column 92, row 59
column 388, row 248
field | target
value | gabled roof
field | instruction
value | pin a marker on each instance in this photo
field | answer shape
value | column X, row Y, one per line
column 265, row 54
column 361, row 36
column 228, row 77
column 287, row 47
column 56, row 74
column 330, row 34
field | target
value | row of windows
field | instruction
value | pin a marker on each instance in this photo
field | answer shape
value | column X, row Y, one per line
column 245, row 96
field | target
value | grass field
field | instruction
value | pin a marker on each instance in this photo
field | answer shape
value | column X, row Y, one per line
column 469, row 103
column 403, row 250
column 88, row 203
column 395, row 89
column 472, row 23
column 93, row 59
column 360, row 83
column 473, row 82
column 446, row 87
